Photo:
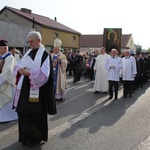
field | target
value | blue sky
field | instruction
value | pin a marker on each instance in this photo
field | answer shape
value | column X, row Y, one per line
column 92, row 16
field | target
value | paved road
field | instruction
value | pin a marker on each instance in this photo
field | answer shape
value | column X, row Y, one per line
column 86, row 121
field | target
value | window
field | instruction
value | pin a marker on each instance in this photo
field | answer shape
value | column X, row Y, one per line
column 55, row 35
column 73, row 38
column 48, row 48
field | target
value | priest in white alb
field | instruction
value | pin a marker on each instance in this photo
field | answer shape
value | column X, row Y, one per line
column 101, row 82
column 7, row 84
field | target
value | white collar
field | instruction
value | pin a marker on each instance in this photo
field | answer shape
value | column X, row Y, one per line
column 4, row 54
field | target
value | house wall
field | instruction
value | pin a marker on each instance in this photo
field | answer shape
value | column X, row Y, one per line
column 11, row 17
column 66, row 38
column 14, row 34
column 131, row 43
column 47, row 33
column 88, row 49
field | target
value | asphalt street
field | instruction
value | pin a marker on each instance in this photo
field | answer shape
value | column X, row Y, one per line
column 87, row 121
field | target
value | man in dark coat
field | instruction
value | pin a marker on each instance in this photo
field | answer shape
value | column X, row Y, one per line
column 92, row 63
column 34, row 97
column 147, row 68
column 140, row 70
column 77, row 66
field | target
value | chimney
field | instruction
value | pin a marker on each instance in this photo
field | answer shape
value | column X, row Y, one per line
column 55, row 19
column 26, row 10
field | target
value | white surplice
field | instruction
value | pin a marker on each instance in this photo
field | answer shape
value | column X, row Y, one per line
column 6, row 112
column 101, row 83
column 129, row 70
column 7, row 88
column 38, row 75
column 113, row 67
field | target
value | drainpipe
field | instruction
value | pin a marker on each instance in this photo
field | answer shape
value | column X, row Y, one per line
column 33, row 23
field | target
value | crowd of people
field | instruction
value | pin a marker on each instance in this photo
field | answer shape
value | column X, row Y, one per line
column 79, row 65
column 108, row 70
column 31, row 84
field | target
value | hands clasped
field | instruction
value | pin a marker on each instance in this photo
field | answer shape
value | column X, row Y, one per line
column 112, row 66
column 24, row 71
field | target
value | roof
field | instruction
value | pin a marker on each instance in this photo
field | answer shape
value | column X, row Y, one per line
column 91, row 40
column 97, row 40
column 41, row 20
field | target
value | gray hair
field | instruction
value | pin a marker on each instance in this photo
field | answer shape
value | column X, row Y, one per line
column 103, row 48
column 35, row 34
column 127, row 50
column 114, row 50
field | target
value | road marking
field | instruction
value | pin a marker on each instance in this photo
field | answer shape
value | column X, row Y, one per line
column 145, row 145
column 57, row 130
column 63, row 127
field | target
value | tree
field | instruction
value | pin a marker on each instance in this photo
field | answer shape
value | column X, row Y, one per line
column 148, row 50
column 139, row 48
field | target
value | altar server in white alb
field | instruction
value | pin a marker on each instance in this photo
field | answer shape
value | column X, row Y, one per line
column 101, row 83
column 128, row 73
column 7, row 84
column 113, row 66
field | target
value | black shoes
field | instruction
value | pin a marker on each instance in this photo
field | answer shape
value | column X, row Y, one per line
column 31, row 142
column 96, row 92
column 59, row 100
column 116, row 97
column 74, row 81
column 110, row 97
column 125, row 96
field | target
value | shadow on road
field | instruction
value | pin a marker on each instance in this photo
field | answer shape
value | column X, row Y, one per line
column 106, row 115
column 79, row 98
column 19, row 146
column 6, row 125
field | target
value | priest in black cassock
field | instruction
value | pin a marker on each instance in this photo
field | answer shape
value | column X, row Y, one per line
column 34, row 97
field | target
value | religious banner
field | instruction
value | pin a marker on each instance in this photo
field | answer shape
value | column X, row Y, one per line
column 112, row 39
